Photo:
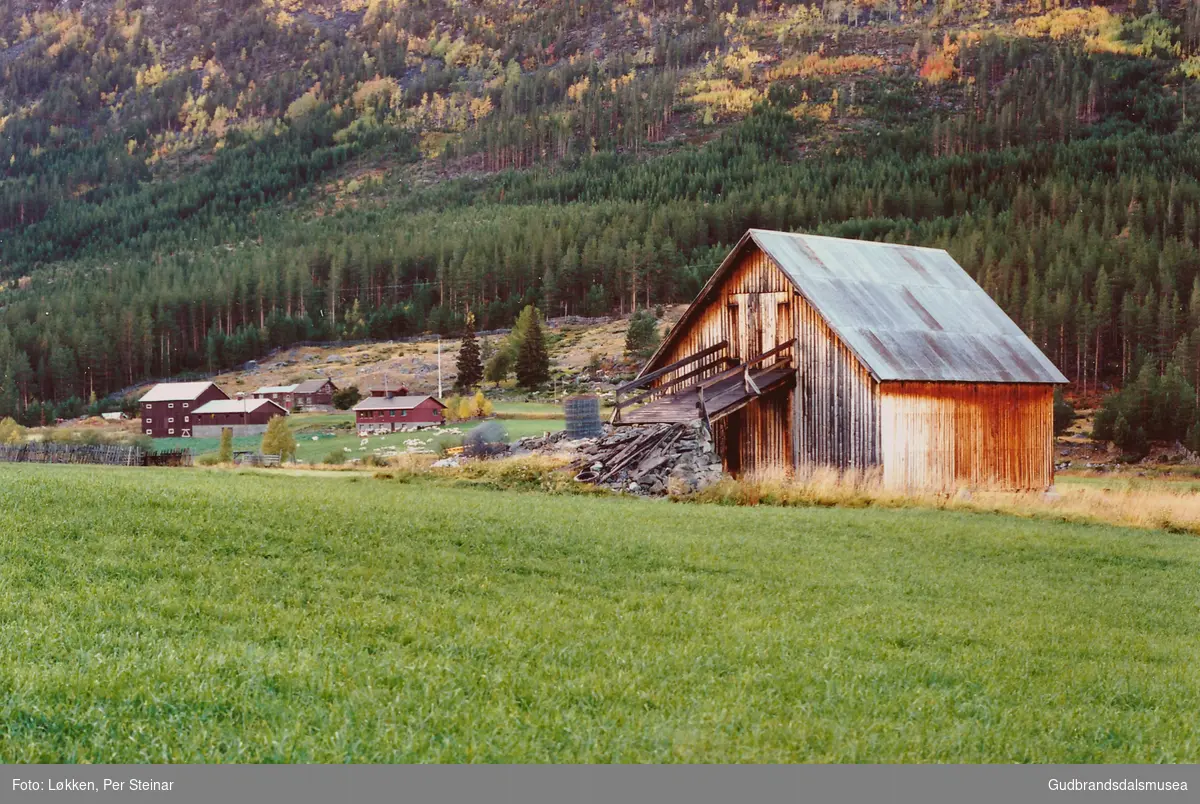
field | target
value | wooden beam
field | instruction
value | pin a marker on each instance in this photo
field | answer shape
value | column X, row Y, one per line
column 781, row 347
column 661, row 388
column 678, row 364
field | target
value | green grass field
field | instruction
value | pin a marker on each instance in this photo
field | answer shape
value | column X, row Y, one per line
column 197, row 615
column 334, row 431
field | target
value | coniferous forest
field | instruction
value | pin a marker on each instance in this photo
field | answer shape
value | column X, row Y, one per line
column 184, row 187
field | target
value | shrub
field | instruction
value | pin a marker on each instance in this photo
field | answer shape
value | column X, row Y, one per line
column 208, row 460
column 447, row 443
column 337, row 457
column 482, row 406
column 1064, row 413
column 225, row 452
column 346, row 398
column 642, row 337
column 278, row 440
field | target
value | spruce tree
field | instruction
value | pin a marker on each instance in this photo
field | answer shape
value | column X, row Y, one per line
column 470, row 366
column 533, row 362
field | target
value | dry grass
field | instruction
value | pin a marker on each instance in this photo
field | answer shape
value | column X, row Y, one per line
column 1141, row 504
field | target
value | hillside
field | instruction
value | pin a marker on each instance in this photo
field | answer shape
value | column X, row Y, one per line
column 188, row 186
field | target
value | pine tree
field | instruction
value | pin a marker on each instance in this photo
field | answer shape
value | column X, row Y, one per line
column 642, row 337
column 470, row 366
column 533, row 362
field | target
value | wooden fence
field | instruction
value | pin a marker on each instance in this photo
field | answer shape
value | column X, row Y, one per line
column 107, row 454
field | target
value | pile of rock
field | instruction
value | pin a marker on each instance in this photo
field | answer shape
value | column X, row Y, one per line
column 653, row 459
column 556, row 443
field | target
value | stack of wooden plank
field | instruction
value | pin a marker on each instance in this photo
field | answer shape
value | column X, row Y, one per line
column 647, row 459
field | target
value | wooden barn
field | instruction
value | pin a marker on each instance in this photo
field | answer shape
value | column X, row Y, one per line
column 806, row 351
column 168, row 408
column 245, row 417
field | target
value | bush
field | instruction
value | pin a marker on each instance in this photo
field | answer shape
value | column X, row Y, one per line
column 448, row 442
column 225, row 453
column 279, row 440
column 642, row 338
column 1064, row 413
column 1153, row 407
column 337, row 457
column 208, row 460
column 486, row 441
column 346, row 398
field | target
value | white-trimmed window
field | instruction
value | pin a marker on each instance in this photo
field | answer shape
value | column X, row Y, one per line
column 149, row 421
column 149, row 432
column 171, row 431
column 186, row 419
column 170, row 420
column 148, row 406
column 170, row 404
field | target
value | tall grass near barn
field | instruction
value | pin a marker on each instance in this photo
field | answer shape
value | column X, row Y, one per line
column 203, row 616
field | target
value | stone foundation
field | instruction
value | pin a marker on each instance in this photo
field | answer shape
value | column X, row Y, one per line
column 239, row 430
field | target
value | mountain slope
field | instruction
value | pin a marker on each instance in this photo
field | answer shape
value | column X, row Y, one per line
column 187, row 187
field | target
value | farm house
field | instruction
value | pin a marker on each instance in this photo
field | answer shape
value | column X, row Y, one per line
column 804, row 351
column 388, row 413
column 309, row 395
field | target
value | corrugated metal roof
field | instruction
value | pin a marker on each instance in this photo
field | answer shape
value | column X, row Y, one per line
column 275, row 389
column 909, row 313
column 395, row 403
column 234, row 406
column 175, row 391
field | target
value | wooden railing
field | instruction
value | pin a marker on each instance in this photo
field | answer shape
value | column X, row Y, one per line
column 748, row 384
column 711, row 360
column 658, row 390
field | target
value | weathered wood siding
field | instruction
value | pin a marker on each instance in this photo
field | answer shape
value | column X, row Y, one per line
column 719, row 316
column 837, row 409
column 766, row 419
column 751, row 309
column 943, row 436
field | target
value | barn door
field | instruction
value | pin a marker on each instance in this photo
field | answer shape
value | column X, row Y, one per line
column 750, row 333
column 763, row 321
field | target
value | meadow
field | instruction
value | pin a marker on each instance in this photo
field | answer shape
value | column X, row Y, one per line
column 318, row 434
column 263, row 616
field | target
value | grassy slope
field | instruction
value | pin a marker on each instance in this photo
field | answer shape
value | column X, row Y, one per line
column 158, row 615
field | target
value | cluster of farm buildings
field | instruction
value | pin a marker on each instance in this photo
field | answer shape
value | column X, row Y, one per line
column 800, row 352
column 203, row 409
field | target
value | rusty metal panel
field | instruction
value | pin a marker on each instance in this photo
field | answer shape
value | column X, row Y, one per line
column 944, row 436
column 908, row 313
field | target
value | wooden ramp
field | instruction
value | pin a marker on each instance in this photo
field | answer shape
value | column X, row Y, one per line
column 707, row 393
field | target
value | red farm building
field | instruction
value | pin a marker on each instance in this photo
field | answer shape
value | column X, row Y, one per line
column 314, row 394
column 387, row 414
column 309, row 395
column 169, row 408
column 282, row 395
column 246, row 417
